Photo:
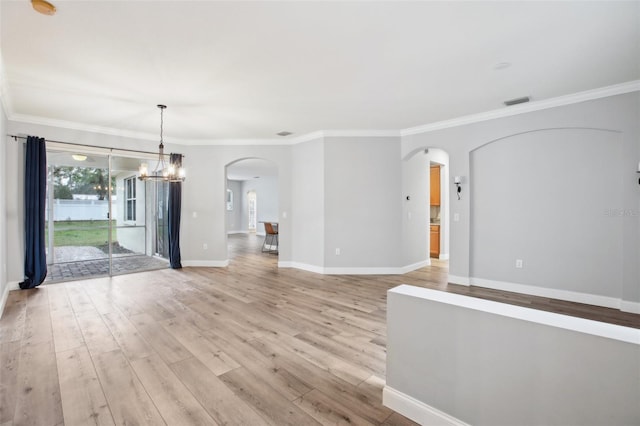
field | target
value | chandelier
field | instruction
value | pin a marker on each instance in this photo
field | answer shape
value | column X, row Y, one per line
column 163, row 172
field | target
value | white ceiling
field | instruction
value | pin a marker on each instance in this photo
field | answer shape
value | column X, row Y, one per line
column 239, row 70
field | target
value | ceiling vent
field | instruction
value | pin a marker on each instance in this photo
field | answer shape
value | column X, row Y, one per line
column 517, row 101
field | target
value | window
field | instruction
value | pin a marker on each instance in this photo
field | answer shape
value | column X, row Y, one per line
column 130, row 199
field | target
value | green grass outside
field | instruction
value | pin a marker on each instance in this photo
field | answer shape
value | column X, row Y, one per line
column 81, row 233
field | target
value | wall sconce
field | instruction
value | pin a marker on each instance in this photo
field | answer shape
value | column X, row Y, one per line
column 457, row 180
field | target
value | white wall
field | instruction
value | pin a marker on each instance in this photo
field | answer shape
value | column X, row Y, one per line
column 131, row 234
column 448, row 352
column 616, row 113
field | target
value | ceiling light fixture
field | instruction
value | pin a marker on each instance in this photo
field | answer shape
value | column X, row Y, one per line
column 44, row 7
column 79, row 157
column 284, row 133
column 162, row 172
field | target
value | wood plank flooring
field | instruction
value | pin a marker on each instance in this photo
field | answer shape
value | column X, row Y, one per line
column 249, row 344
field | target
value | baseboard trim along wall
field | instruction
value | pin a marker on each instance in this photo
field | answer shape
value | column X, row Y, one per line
column 631, row 307
column 416, row 410
column 355, row 271
column 206, row 263
column 454, row 279
column 3, row 299
column 443, row 256
column 570, row 296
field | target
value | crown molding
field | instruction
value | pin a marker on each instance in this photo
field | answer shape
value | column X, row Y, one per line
column 588, row 95
column 618, row 89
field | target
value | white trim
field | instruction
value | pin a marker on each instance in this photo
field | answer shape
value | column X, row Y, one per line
column 3, row 298
column 206, row 263
column 443, row 256
column 416, row 410
column 355, row 271
column 571, row 296
column 454, row 279
column 415, row 266
column 581, row 325
column 632, row 307
column 303, row 266
column 588, row 95
column 363, row 271
column 237, row 232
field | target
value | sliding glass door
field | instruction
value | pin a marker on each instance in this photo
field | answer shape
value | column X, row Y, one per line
column 101, row 219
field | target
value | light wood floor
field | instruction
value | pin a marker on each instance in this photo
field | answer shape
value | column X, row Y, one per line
column 250, row 344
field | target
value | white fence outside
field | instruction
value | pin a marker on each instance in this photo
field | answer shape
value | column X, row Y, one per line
column 80, row 210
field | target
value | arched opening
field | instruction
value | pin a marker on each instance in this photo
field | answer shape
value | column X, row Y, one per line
column 427, row 184
column 247, row 181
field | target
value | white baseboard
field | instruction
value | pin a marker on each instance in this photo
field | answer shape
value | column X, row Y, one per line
column 443, row 256
column 632, row 307
column 3, row 299
column 416, row 410
column 552, row 293
column 454, row 279
column 303, row 266
column 355, row 271
column 206, row 263
column 237, row 232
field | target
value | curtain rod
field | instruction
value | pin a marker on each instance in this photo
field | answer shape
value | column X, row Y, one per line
column 16, row 137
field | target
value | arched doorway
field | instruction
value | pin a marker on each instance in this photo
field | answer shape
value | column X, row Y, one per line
column 252, row 200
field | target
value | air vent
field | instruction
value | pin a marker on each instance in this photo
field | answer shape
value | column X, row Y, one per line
column 517, row 101
column 284, row 133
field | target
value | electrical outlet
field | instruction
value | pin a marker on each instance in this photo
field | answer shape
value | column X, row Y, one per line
column 519, row 263
column 456, row 217
column 205, row 246
column 337, row 252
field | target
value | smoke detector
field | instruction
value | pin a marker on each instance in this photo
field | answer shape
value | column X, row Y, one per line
column 44, row 7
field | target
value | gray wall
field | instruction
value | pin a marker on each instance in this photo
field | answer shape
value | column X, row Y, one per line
column 4, row 140
column 349, row 193
column 234, row 217
column 542, row 197
column 307, row 193
column 616, row 113
column 415, row 211
column 456, row 359
column 363, row 208
column 266, row 189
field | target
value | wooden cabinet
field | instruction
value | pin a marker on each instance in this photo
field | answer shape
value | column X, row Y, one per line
column 434, row 241
column 434, row 194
